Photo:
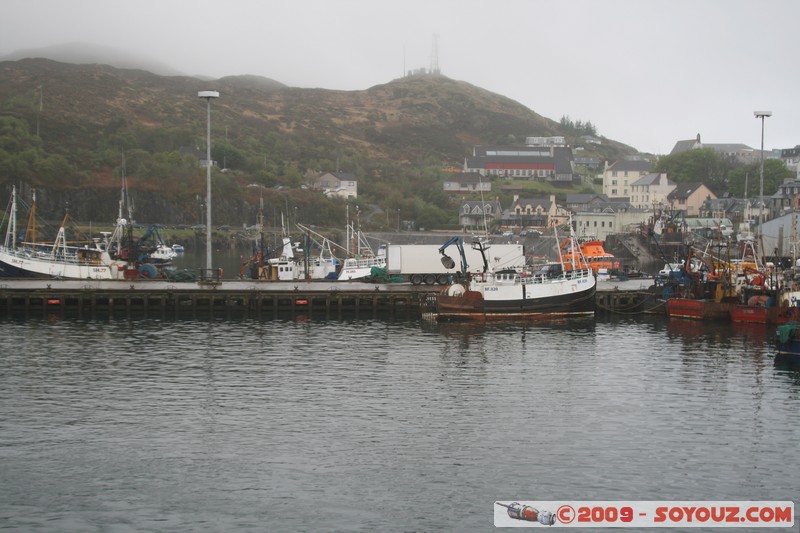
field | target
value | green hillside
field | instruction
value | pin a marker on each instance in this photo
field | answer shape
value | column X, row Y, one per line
column 395, row 138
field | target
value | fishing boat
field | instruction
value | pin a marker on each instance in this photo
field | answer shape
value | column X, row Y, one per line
column 548, row 292
column 702, row 289
column 361, row 257
column 163, row 254
column 360, row 266
column 23, row 256
column 287, row 266
column 320, row 266
column 281, row 268
column 765, row 296
column 766, row 309
column 787, row 344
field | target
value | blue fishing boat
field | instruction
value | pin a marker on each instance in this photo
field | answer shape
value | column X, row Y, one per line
column 787, row 344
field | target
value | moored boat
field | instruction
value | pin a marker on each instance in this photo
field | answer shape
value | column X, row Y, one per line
column 698, row 309
column 755, row 314
column 25, row 257
column 361, row 257
column 767, row 306
column 163, row 254
column 701, row 289
column 360, row 266
column 592, row 253
column 288, row 267
column 547, row 293
column 767, row 296
column 787, row 344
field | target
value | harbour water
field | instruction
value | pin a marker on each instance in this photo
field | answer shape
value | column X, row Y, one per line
column 380, row 425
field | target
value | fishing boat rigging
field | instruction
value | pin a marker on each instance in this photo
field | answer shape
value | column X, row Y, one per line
column 559, row 289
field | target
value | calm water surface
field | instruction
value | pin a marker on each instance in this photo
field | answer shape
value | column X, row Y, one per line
column 369, row 425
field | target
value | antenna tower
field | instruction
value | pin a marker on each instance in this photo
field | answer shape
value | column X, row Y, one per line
column 435, row 55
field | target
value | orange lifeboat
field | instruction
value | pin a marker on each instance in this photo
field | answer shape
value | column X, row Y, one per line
column 592, row 255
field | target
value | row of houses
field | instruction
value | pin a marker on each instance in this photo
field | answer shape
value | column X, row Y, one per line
column 593, row 215
column 632, row 192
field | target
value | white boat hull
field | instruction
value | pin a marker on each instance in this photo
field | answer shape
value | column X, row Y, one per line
column 510, row 296
column 360, row 268
column 18, row 263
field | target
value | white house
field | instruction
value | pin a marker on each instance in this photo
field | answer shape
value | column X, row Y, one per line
column 651, row 191
column 466, row 182
column 341, row 184
column 600, row 221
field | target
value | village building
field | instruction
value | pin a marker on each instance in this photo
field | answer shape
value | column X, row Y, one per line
column 781, row 236
column 651, row 191
column 738, row 151
column 620, row 175
column 689, row 198
column 596, row 216
column 735, row 209
column 791, row 156
column 477, row 214
column 534, row 163
column 535, row 213
column 340, row 184
column 588, row 162
column 467, row 182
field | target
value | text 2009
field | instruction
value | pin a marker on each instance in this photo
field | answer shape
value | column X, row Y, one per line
column 604, row 514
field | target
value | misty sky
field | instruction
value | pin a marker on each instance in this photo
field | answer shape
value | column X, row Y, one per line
column 645, row 72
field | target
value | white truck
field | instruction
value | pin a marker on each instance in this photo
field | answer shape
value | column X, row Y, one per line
column 422, row 263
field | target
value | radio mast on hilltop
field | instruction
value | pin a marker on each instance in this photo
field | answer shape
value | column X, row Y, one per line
column 435, row 55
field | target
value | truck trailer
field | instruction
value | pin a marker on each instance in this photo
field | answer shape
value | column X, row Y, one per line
column 422, row 263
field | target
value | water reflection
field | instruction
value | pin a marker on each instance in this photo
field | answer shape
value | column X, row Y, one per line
column 404, row 416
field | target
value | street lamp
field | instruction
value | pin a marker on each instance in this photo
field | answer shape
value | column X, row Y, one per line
column 208, row 95
column 762, row 115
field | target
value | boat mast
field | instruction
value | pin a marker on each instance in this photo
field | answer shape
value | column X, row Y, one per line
column 11, row 230
column 30, row 231
column 555, row 234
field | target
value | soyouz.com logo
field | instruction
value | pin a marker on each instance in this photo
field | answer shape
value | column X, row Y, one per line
column 651, row 513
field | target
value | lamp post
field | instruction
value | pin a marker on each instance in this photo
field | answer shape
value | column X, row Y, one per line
column 208, row 95
column 762, row 115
